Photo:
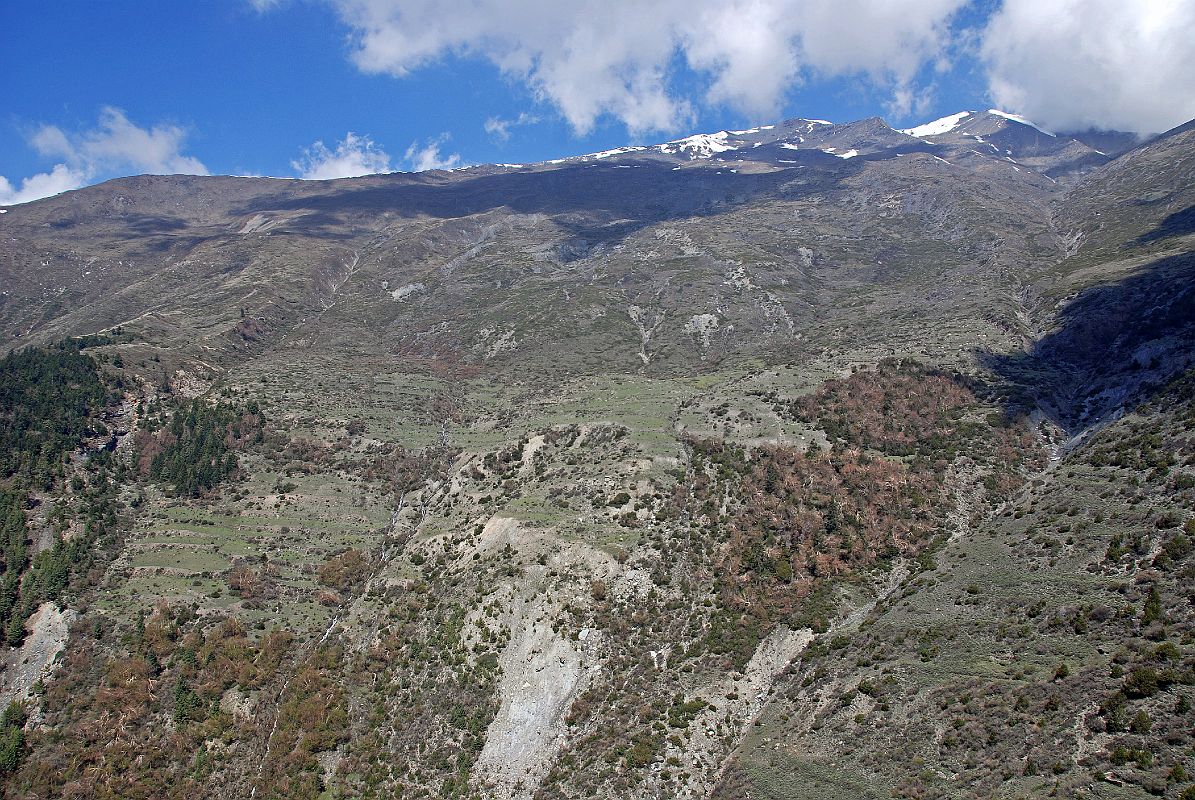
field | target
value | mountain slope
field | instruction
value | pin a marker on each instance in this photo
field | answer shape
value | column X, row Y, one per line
column 786, row 462
column 1046, row 653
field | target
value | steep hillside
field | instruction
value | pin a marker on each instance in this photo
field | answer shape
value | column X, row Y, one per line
column 1046, row 652
column 810, row 460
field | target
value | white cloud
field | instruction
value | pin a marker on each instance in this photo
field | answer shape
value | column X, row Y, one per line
column 354, row 156
column 60, row 179
column 114, row 146
column 1074, row 64
column 421, row 157
column 759, row 49
column 500, row 128
column 908, row 101
column 591, row 58
column 118, row 144
column 358, row 155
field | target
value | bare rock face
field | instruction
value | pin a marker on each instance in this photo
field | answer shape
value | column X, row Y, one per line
column 541, row 673
column 33, row 662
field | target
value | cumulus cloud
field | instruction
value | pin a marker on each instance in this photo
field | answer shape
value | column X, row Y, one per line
column 118, row 144
column 1075, row 64
column 906, row 101
column 499, row 128
column 115, row 145
column 591, row 58
column 756, row 50
column 357, row 155
column 60, row 179
column 422, row 156
column 353, row 156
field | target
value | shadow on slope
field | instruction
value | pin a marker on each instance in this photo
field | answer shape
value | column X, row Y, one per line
column 1179, row 223
column 586, row 198
column 1113, row 344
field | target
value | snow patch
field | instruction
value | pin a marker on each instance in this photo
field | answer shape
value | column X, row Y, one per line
column 938, row 126
column 701, row 145
column 617, row 151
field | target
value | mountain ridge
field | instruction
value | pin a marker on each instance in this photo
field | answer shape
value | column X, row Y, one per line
column 698, row 145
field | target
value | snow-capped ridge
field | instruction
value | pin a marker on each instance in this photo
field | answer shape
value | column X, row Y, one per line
column 708, row 145
column 1020, row 119
column 948, row 123
column 749, row 131
column 938, row 126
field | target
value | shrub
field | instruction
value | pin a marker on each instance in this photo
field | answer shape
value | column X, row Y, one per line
column 345, row 571
column 1142, row 682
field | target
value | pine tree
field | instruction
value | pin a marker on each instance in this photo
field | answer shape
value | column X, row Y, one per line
column 187, row 704
column 14, row 631
column 1153, row 607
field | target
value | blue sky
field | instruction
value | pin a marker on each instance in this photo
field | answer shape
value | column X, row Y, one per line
column 96, row 89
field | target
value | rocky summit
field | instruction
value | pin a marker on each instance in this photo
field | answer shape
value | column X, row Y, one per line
column 805, row 461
